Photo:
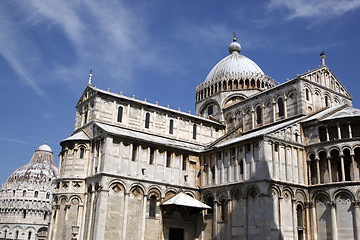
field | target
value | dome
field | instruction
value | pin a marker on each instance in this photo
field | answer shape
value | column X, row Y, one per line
column 44, row 147
column 234, row 65
column 40, row 170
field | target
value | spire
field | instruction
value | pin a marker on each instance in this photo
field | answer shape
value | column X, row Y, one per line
column 322, row 57
column 90, row 76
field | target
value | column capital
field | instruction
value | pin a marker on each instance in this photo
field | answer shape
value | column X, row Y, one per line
column 356, row 203
column 332, row 204
column 309, row 204
column 341, row 155
column 317, row 159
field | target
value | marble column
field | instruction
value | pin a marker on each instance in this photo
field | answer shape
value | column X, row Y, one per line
column 342, row 167
column 356, row 220
column 334, row 232
column 329, row 168
column 353, row 164
column 314, row 219
column 317, row 159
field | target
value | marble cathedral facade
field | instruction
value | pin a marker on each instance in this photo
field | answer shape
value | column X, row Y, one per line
column 270, row 161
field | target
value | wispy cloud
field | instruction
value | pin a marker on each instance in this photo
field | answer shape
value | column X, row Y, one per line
column 315, row 9
column 98, row 34
column 13, row 140
column 10, row 40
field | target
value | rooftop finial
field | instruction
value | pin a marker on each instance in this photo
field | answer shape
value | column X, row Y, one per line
column 90, row 75
column 234, row 34
column 45, row 141
column 322, row 57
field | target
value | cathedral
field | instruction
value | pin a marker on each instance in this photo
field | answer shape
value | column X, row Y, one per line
column 259, row 160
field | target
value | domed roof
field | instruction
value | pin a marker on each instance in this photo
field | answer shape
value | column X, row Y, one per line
column 234, row 65
column 40, row 169
column 44, row 147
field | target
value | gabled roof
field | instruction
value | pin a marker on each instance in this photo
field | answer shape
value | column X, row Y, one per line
column 258, row 133
column 181, row 199
column 149, row 138
column 77, row 136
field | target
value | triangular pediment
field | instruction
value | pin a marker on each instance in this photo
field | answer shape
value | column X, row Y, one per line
column 324, row 77
column 89, row 91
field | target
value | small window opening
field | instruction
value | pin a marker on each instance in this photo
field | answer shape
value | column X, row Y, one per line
column 185, row 159
column 120, row 114
column 258, row 115
column 152, row 210
column 307, row 94
column 47, row 195
column 171, row 126
column 326, row 101
column 151, row 158
column 147, row 120
column 29, row 235
column 45, row 215
column 82, row 151
column 36, row 194
column 194, row 131
column 17, row 235
column 248, row 147
column 281, row 107
column 213, row 173
column 168, row 159
column 24, row 213
column 210, row 110
column 241, row 167
column 134, row 152
column 24, row 193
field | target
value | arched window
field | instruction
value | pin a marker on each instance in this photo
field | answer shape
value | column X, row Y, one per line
column 13, row 192
column 171, row 126
column 194, row 131
column 326, row 101
column 258, row 115
column 152, row 210
column 120, row 114
column 45, row 215
column 16, row 234
column 82, row 151
column 307, row 94
column 24, row 193
column 36, row 194
column 29, row 235
column 281, row 107
column 147, row 120
column 47, row 195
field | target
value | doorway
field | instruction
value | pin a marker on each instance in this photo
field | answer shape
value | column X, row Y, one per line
column 176, row 234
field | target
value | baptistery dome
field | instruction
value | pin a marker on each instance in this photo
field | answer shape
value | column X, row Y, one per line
column 26, row 198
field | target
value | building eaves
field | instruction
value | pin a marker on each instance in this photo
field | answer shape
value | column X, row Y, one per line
column 140, row 136
column 173, row 111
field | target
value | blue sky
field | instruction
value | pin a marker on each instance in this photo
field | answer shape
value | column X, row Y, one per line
column 156, row 49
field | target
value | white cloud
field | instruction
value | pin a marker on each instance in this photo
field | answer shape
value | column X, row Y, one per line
column 13, row 140
column 315, row 9
column 10, row 42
